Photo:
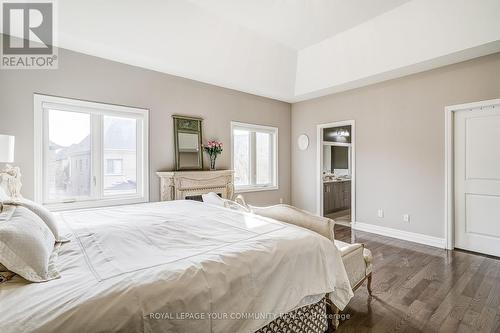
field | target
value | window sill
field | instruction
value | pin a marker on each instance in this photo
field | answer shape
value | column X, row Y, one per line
column 255, row 189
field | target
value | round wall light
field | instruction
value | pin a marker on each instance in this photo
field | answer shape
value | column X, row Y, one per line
column 303, row 142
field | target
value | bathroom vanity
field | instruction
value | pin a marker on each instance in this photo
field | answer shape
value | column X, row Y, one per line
column 336, row 195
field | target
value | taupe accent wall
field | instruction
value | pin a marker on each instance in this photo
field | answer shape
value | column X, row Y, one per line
column 399, row 141
column 94, row 79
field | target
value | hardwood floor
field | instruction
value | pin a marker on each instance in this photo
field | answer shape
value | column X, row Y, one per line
column 418, row 288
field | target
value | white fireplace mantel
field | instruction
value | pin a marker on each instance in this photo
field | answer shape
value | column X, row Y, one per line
column 177, row 185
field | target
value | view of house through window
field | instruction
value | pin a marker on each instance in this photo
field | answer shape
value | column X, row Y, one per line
column 254, row 156
column 241, row 157
column 114, row 167
column 92, row 155
column 120, row 154
column 68, row 155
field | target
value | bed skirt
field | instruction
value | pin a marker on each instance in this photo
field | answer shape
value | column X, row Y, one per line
column 307, row 319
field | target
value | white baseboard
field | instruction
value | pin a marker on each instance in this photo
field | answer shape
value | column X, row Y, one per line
column 400, row 234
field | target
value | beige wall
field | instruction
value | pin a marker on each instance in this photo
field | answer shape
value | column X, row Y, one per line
column 399, row 141
column 399, row 124
column 95, row 79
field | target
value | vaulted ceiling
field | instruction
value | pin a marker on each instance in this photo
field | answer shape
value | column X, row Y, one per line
column 289, row 50
column 297, row 23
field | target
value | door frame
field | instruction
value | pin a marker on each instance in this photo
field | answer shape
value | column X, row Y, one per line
column 319, row 164
column 449, row 188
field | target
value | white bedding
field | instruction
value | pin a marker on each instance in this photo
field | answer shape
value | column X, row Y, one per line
column 154, row 267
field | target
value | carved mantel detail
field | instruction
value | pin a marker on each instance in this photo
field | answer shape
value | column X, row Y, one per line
column 177, row 185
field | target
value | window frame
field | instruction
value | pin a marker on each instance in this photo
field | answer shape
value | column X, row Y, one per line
column 96, row 111
column 253, row 187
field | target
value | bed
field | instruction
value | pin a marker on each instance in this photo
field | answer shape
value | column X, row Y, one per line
column 177, row 266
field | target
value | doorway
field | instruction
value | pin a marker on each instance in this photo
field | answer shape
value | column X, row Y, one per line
column 336, row 171
column 473, row 176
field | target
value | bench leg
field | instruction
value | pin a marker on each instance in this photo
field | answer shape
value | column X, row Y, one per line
column 334, row 323
column 369, row 284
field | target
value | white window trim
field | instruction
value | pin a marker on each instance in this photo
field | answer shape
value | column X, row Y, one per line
column 274, row 157
column 66, row 104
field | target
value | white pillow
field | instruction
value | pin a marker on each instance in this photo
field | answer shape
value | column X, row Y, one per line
column 27, row 246
column 5, row 215
column 213, row 199
column 46, row 216
column 236, row 206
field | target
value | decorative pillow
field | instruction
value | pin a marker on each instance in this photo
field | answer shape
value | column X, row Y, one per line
column 213, row 199
column 236, row 206
column 27, row 246
column 46, row 216
column 5, row 215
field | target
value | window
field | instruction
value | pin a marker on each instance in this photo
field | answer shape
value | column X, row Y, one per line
column 254, row 157
column 89, row 154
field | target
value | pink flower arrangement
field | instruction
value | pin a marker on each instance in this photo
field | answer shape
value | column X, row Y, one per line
column 213, row 144
column 213, row 148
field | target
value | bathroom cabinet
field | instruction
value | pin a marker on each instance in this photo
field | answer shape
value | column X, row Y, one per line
column 336, row 196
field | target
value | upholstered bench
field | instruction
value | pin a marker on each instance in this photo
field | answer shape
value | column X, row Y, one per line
column 356, row 258
column 358, row 263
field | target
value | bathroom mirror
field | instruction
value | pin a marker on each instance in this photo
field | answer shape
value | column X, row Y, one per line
column 187, row 139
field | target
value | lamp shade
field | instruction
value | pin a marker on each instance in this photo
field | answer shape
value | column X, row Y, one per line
column 6, row 148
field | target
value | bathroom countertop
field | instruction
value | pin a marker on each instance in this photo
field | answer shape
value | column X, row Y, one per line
column 336, row 181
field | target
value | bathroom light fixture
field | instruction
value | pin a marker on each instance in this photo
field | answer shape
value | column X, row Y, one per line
column 342, row 133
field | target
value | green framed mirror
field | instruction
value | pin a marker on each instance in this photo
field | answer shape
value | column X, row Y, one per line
column 188, row 143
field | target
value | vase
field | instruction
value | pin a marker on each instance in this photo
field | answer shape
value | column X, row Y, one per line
column 212, row 162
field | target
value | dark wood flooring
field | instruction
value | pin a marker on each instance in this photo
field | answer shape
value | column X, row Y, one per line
column 418, row 288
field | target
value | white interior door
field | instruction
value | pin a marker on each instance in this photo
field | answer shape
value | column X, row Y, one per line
column 477, row 180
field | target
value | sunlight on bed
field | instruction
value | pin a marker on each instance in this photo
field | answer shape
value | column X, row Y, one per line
column 254, row 223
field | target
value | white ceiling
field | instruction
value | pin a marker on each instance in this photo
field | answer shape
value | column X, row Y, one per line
column 297, row 23
column 180, row 38
column 289, row 50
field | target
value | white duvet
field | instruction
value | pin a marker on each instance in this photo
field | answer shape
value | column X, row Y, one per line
column 180, row 266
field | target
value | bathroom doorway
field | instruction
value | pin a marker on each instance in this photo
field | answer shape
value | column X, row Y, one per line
column 336, row 172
